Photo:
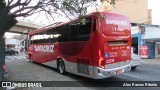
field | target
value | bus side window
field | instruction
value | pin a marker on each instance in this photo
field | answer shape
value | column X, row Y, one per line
column 63, row 32
column 53, row 35
column 79, row 31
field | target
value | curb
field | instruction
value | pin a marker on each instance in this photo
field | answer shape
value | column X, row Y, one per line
column 151, row 61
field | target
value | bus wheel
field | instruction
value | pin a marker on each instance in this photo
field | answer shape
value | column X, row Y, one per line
column 30, row 59
column 61, row 67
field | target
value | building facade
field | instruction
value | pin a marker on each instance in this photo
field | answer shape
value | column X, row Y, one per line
column 136, row 10
column 151, row 39
column 136, row 38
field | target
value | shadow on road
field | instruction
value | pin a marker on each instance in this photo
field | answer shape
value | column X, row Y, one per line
column 85, row 82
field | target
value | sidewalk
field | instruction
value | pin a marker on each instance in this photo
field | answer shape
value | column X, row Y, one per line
column 155, row 61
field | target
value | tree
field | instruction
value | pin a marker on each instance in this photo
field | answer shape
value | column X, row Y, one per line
column 75, row 7
column 11, row 9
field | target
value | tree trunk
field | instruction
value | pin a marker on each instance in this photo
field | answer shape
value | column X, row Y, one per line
column 7, row 21
column 2, row 57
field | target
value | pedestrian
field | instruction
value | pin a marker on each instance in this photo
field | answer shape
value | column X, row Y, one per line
column 21, row 48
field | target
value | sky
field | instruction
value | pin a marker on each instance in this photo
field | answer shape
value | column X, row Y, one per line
column 155, row 5
column 42, row 19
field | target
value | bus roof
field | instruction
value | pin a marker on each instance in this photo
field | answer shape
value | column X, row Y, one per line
column 63, row 23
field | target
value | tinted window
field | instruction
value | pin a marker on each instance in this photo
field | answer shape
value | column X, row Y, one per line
column 80, row 31
column 74, row 31
column 42, row 37
column 64, row 33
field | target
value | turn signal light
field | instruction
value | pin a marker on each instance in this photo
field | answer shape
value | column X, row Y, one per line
column 101, row 61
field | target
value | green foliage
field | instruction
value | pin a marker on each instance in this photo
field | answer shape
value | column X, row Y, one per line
column 113, row 1
column 74, row 7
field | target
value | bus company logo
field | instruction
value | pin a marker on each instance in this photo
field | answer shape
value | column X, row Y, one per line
column 117, row 22
column 6, row 84
column 44, row 48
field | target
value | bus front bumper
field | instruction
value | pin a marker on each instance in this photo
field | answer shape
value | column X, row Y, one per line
column 100, row 73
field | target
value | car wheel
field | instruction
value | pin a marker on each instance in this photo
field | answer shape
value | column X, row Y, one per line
column 61, row 67
column 133, row 68
column 14, row 53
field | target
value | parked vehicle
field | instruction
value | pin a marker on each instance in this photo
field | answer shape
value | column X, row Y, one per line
column 10, row 51
column 136, row 61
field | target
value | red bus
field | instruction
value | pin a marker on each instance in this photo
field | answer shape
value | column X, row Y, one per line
column 97, row 47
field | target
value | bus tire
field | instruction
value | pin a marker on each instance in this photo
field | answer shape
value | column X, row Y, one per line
column 30, row 59
column 61, row 67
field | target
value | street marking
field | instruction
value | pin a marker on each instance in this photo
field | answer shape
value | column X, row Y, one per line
column 133, row 76
column 22, row 56
column 14, row 57
column 9, row 57
column 27, row 60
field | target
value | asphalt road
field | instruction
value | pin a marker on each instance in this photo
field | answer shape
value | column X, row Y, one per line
column 21, row 70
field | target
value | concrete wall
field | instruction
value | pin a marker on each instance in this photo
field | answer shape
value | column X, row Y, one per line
column 151, row 49
column 151, row 32
column 23, row 27
column 29, row 24
column 151, row 37
column 136, row 10
column 135, row 30
column 157, row 49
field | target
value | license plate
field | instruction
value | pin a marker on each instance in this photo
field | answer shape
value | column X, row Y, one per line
column 119, row 71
